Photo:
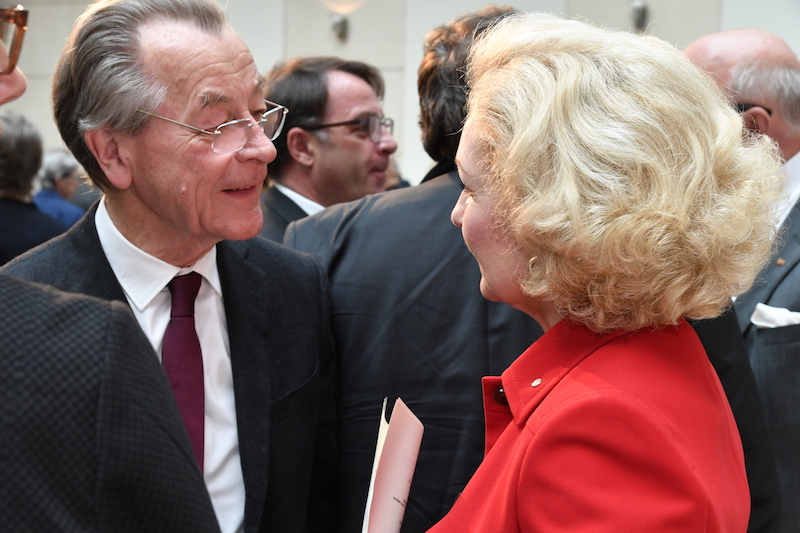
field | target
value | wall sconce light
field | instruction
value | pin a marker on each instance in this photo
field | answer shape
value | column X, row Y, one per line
column 339, row 22
column 639, row 15
column 339, row 25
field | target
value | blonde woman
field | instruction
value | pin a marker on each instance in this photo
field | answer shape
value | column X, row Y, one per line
column 609, row 193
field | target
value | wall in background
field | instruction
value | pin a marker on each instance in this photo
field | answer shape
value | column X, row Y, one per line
column 388, row 34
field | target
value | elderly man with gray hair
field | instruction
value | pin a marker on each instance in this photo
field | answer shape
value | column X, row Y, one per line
column 58, row 181
column 161, row 102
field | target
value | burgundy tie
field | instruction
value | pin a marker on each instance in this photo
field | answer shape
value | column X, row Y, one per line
column 183, row 359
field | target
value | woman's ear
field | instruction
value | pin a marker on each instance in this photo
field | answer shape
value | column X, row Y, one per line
column 105, row 146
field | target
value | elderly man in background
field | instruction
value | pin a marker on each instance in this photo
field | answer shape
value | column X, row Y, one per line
column 58, row 181
column 92, row 438
column 761, row 74
column 161, row 102
column 337, row 142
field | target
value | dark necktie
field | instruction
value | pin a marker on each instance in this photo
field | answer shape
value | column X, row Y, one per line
column 183, row 360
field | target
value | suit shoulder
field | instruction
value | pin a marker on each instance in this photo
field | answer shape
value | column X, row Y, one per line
column 25, row 296
column 421, row 205
column 35, row 264
column 57, row 323
column 270, row 256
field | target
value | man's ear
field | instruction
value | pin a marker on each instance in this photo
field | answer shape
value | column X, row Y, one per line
column 302, row 146
column 757, row 119
column 105, row 146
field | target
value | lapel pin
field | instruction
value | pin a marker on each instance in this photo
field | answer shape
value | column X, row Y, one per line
column 780, row 262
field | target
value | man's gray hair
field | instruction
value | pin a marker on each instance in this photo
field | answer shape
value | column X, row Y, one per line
column 99, row 80
column 752, row 82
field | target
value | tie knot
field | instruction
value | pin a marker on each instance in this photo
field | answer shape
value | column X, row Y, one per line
column 184, row 290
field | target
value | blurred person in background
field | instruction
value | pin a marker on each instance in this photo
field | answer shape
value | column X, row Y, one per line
column 58, row 179
column 394, row 180
column 22, row 224
column 336, row 143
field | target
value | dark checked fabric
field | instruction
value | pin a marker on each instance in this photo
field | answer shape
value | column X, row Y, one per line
column 183, row 360
column 90, row 436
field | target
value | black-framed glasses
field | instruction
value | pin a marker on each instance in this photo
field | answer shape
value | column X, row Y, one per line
column 231, row 136
column 373, row 125
column 13, row 24
column 741, row 108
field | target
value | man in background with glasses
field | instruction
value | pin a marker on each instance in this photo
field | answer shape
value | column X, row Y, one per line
column 161, row 103
column 337, row 142
column 92, row 438
column 761, row 75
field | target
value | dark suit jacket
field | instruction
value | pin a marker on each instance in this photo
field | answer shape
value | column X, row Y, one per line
column 279, row 210
column 775, row 358
column 409, row 321
column 90, row 435
column 23, row 226
column 277, row 309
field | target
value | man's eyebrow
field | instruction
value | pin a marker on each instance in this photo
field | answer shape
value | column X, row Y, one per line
column 210, row 99
column 213, row 98
column 262, row 82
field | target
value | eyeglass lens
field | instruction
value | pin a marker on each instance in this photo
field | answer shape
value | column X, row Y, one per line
column 232, row 136
column 12, row 30
column 7, row 38
column 376, row 127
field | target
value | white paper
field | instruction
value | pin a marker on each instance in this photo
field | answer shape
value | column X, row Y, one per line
column 395, row 460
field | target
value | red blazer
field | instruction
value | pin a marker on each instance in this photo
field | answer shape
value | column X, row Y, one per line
column 623, row 432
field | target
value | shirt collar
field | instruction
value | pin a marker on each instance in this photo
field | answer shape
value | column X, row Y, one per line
column 309, row 206
column 141, row 275
column 792, row 186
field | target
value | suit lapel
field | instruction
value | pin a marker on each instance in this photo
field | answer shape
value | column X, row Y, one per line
column 771, row 277
column 247, row 319
column 283, row 205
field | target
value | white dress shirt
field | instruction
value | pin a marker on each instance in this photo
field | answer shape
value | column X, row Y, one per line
column 144, row 280
column 791, row 187
column 309, row 206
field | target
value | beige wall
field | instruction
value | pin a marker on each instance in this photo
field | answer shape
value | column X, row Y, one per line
column 388, row 34
column 676, row 21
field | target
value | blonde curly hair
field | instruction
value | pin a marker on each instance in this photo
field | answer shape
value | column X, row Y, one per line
column 620, row 167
